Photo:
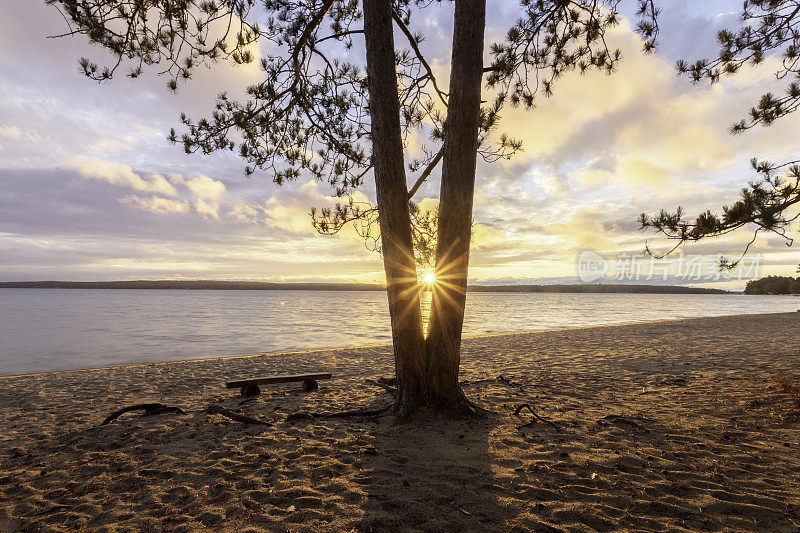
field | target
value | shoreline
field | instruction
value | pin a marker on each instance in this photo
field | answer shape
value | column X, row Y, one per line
column 587, row 288
column 377, row 345
column 677, row 425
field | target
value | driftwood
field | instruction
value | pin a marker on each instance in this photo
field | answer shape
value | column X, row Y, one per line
column 536, row 417
column 150, row 409
column 215, row 409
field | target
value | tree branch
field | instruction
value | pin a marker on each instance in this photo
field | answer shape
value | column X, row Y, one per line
column 313, row 25
column 426, row 172
column 413, row 43
column 316, row 20
column 339, row 35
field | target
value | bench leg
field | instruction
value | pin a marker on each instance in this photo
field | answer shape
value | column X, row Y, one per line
column 310, row 385
column 251, row 390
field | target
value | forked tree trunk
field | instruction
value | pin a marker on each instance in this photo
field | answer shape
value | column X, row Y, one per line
column 443, row 342
column 426, row 369
column 392, row 195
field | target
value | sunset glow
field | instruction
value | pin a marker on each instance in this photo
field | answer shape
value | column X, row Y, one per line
column 122, row 203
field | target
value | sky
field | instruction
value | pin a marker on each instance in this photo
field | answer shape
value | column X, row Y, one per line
column 90, row 189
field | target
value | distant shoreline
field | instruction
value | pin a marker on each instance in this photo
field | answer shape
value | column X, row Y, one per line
column 262, row 286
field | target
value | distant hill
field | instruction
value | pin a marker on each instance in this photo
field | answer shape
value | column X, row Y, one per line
column 267, row 286
column 192, row 285
column 599, row 288
column 773, row 285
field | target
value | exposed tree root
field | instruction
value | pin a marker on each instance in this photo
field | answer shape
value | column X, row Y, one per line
column 455, row 405
column 473, row 410
column 536, row 417
column 215, row 409
column 623, row 421
column 384, row 385
column 499, row 379
column 150, row 409
column 53, row 509
column 357, row 413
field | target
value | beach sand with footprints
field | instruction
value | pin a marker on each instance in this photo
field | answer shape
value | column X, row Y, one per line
column 665, row 426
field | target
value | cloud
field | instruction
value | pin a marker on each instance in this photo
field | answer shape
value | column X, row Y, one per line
column 206, row 193
column 56, row 225
column 585, row 230
column 628, row 172
column 104, row 146
column 484, row 236
column 286, row 209
column 91, row 189
column 653, row 123
column 201, row 186
column 289, row 209
column 606, row 148
column 208, row 209
column 156, row 204
column 120, row 175
column 17, row 133
column 202, row 192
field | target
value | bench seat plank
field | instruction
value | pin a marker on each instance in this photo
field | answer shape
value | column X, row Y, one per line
column 265, row 380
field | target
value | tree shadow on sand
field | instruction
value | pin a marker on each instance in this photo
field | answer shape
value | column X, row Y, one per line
column 432, row 475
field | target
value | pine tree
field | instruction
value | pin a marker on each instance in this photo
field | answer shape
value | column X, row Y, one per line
column 338, row 120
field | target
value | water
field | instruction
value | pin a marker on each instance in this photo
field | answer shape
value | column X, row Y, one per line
column 59, row 329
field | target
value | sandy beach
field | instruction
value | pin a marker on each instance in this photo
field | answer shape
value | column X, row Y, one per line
column 666, row 426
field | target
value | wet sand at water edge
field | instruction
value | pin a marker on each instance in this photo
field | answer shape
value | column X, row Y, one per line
column 687, row 425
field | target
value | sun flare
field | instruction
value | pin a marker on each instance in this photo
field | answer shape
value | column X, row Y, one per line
column 429, row 278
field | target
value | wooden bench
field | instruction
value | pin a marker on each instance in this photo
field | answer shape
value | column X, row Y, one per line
column 250, row 387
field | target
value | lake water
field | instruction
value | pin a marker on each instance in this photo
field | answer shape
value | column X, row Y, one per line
column 59, row 329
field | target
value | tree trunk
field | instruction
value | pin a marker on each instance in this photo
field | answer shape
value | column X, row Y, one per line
column 392, row 195
column 455, row 207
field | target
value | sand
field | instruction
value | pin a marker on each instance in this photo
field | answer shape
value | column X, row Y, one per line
column 707, row 441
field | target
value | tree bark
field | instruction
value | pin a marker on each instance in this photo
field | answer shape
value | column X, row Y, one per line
column 426, row 369
column 392, row 196
column 443, row 342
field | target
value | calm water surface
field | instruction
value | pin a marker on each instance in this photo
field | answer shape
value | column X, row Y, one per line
column 59, row 329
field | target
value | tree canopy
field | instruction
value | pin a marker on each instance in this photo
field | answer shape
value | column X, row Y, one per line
column 309, row 115
column 767, row 28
